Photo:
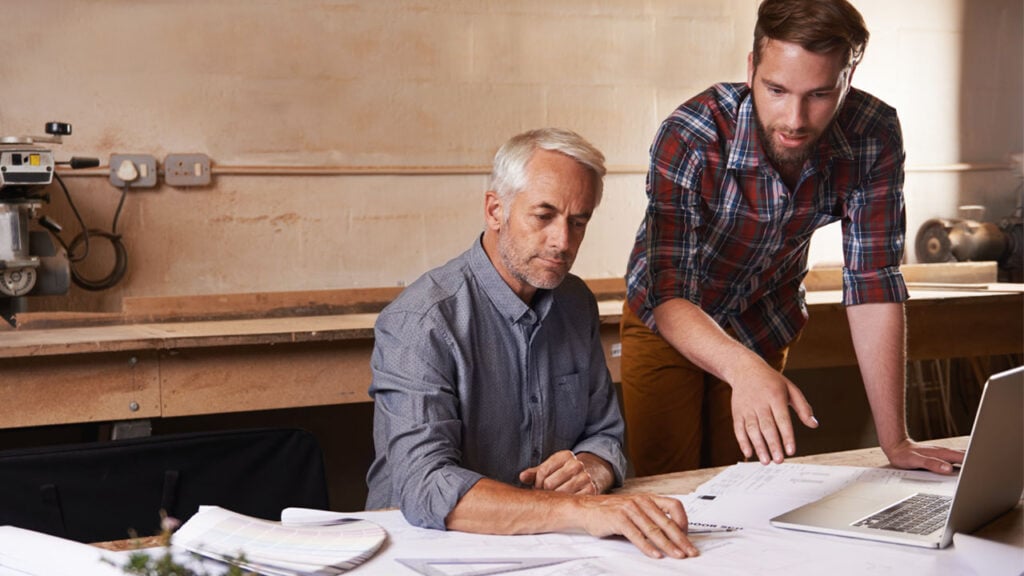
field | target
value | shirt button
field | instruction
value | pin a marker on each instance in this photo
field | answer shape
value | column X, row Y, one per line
column 533, row 398
column 536, row 454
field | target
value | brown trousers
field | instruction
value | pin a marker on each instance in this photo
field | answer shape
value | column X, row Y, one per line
column 678, row 417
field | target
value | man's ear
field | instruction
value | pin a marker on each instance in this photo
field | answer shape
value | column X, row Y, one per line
column 849, row 79
column 750, row 70
column 494, row 214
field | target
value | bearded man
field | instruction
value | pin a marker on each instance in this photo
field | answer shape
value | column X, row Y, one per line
column 494, row 411
column 740, row 177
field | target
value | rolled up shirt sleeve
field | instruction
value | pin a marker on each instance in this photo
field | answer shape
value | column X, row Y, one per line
column 874, row 228
column 416, row 420
column 673, row 220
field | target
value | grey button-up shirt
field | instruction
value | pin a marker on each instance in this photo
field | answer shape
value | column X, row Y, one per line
column 470, row 382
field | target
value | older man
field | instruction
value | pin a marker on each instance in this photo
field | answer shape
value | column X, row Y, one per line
column 494, row 409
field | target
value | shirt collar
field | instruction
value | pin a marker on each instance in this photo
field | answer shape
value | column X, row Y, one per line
column 745, row 153
column 507, row 302
column 837, row 144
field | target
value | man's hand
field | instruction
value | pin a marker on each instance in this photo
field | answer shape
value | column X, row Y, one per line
column 760, row 414
column 655, row 524
column 563, row 471
column 910, row 454
column 761, row 397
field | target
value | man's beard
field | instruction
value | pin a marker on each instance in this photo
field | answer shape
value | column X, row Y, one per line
column 786, row 159
column 518, row 265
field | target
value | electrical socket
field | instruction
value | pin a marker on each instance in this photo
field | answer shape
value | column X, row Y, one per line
column 187, row 170
column 141, row 173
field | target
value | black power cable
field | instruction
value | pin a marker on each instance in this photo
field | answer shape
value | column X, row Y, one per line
column 120, row 266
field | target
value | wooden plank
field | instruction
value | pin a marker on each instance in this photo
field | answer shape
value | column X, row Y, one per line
column 92, row 388
column 244, row 378
column 39, row 320
column 173, row 335
column 259, row 304
column 305, row 303
column 831, row 278
column 162, row 309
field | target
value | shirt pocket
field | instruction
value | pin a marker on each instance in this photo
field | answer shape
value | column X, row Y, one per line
column 570, row 409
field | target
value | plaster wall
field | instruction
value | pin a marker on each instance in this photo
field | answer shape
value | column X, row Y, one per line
column 438, row 85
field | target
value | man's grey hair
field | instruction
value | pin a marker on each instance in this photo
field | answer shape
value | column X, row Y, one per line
column 508, row 176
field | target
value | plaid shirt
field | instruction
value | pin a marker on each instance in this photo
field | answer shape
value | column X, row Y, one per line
column 724, row 232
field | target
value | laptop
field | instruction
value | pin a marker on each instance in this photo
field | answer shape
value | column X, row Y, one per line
column 990, row 484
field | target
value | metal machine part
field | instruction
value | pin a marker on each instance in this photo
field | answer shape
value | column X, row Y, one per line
column 932, row 243
column 968, row 240
column 17, row 265
column 30, row 263
column 953, row 239
column 24, row 164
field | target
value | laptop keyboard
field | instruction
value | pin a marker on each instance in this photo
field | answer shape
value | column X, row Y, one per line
column 919, row 514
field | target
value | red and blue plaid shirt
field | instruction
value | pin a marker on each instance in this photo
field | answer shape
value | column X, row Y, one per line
column 723, row 231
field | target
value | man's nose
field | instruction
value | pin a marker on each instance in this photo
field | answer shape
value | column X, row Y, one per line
column 796, row 113
column 558, row 235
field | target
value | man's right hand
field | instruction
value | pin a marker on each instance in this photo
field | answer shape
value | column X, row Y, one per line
column 655, row 524
column 760, row 414
column 761, row 397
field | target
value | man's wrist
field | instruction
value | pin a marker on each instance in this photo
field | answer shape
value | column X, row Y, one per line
column 598, row 470
column 890, row 442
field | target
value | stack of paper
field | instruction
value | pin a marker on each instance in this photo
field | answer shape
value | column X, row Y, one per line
column 274, row 549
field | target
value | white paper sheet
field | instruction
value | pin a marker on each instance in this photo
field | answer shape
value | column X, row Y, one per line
column 986, row 558
column 27, row 552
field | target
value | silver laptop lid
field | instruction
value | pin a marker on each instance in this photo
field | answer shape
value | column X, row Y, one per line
column 992, row 476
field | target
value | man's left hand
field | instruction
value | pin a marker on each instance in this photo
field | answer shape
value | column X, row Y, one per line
column 910, row 454
column 564, row 471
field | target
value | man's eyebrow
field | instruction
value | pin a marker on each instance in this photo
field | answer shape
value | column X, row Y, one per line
column 547, row 206
column 772, row 84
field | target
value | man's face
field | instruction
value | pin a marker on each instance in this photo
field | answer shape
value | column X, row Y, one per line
column 797, row 95
column 539, row 233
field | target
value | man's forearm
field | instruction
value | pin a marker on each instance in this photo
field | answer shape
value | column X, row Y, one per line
column 697, row 336
column 492, row 507
column 761, row 396
column 879, row 339
column 654, row 524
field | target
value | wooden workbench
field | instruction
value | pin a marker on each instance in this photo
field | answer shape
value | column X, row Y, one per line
column 61, row 375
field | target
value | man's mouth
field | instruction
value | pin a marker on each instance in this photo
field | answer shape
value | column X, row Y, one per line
column 553, row 262
column 793, row 139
